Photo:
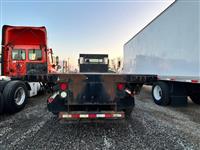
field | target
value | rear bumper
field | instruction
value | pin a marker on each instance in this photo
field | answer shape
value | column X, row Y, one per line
column 58, row 105
column 91, row 115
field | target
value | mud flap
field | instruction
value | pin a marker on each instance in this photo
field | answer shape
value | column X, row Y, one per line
column 179, row 101
column 125, row 103
column 56, row 104
column 178, row 95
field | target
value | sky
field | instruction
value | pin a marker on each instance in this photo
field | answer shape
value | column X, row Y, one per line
column 81, row 26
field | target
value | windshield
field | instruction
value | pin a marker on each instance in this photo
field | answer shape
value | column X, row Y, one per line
column 18, row 54
column 35, row 54
column 93, row 60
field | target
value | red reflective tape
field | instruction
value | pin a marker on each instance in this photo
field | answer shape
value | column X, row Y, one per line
column 173, row 79
column 75, row 115
column 92, row 116
column 50, row 100
column 108, row 115
column 194, row 81
column 123, row 115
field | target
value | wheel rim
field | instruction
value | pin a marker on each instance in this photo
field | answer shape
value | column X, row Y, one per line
column 19, row 96
column 157, row 93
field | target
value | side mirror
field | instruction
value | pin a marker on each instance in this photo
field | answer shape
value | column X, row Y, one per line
column 58, row 67
column 57, row 60
column 118, row 64
column 50, row 51
column 54, row 66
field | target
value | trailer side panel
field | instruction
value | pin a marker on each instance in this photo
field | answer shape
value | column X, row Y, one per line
column 169, row 45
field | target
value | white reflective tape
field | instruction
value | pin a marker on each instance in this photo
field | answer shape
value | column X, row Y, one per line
column 54, row 95
column 84, row 115
column 188, row 80
column 66, row 115
column 100, row 115
column 128, row 91
column 117, row 115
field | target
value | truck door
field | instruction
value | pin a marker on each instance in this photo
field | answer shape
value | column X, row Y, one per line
column 0, row 65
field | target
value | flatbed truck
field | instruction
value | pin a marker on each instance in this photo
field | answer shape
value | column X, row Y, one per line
column 95, row 94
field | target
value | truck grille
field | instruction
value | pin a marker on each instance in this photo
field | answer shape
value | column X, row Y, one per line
column 36, row 68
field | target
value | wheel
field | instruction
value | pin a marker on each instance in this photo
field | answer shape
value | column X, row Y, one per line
column 15, row 96
column 3, row 85
column 1, row 104
column 195, row 98
column 160, row 93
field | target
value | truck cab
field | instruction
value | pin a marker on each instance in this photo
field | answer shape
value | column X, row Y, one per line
column 93, row 62
column 25, row 58
column 24, row 51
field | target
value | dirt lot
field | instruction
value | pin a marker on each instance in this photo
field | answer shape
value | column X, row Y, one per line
column 151, row 127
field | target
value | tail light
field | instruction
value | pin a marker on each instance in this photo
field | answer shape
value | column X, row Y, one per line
column 120, row 86
column 63, row 86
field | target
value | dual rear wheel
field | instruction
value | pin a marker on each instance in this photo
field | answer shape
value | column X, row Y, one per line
column 1, row 104
column 161, row 95
column 14, row 97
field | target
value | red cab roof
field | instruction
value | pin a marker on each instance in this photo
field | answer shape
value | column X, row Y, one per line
column 24, row 35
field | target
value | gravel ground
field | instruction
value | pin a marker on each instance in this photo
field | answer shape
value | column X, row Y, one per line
column 151, row 127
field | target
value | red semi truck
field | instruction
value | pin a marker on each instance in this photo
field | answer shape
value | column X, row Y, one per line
column 24, row 54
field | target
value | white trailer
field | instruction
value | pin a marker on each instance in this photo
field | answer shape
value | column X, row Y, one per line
column 169, row 46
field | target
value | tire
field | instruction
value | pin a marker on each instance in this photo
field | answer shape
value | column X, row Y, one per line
column 3, row 85
column 15, row 96
column 195, row 98
column 1, row 104
column 160, row 93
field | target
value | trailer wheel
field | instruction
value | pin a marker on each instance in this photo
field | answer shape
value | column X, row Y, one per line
column 15, row 96
column 160, row 93
column 1, row 104
column 195, row 98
